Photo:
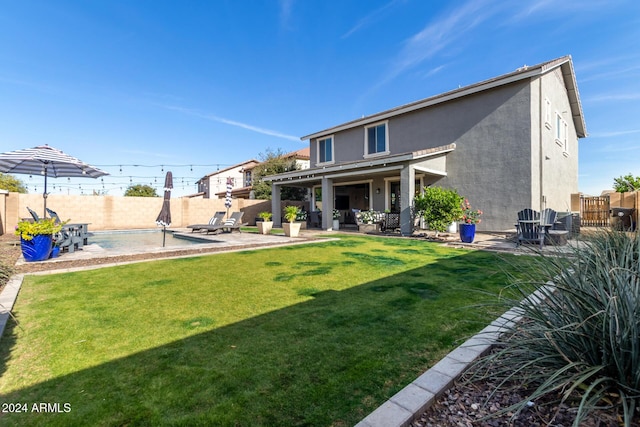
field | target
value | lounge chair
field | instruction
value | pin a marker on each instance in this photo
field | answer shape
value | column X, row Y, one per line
column 215, row 220
column 529, row 227
column 234, row 222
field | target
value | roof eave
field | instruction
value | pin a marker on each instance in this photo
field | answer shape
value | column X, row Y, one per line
column 354, row 166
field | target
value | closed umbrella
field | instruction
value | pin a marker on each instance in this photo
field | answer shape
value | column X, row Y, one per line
column 47, row 161
column 164, row 217
column 227, row 197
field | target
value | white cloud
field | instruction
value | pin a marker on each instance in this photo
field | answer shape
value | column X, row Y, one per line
column 286, row 6
column 230, row 122
column 370, row 18
column 438, row 35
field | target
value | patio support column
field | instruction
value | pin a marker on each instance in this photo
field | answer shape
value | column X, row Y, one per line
column 407, row 190
column 276, row 209
column 327, row 203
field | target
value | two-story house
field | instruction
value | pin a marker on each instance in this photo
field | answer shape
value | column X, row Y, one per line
column 507, row 143
column 214, row 185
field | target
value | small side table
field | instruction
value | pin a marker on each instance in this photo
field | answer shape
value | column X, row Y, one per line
column 558, row 237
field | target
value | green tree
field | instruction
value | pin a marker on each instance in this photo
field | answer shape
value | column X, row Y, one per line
column 439, row 207
column 140, row 190
column 11, row 183
column 626, row 183
column 272, row 163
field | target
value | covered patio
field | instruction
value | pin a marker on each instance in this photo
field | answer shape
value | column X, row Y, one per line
column 382, row 183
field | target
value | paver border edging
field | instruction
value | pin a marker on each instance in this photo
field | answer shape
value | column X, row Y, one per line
column 8, row 298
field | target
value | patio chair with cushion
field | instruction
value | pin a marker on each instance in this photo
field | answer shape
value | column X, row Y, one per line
column 528, row 228
column 234, row 222
column 215, row 220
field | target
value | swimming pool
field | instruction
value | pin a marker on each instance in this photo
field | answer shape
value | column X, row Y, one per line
column 131, row 239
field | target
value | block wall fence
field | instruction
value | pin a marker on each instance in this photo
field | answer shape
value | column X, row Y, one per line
column 122, row 213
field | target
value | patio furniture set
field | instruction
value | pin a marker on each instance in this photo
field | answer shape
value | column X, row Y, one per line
column 71, row 236
column 540, row 227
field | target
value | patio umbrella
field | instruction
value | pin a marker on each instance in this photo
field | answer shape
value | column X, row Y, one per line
column 47, row 161
column 227, row 197
column 164, row 217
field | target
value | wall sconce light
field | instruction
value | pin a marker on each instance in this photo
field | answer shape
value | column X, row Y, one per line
column 377, row 190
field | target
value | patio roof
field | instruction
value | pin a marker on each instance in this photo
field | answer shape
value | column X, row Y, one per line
column 423, row 159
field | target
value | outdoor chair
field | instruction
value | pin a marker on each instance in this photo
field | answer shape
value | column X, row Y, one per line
column 315, row 219
column 54, row 215
column 33, row 214
column 234, row 222
column 528, row 228
column 215, row 220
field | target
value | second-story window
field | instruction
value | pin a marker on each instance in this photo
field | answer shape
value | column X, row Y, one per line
column 325, row 150
column 247, row 178
column 376, row 139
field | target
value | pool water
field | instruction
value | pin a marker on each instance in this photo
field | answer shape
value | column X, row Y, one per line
column 138, row 239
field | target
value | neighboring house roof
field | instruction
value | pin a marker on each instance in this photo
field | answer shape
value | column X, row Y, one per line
column 248, row 164
column 564, row 63
column 242, row 192
column 302, row 154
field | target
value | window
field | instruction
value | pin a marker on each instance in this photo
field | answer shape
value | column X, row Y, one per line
column 562, row 134
column 247, row 178
column 547, row 113
column 325, row 150
column 376, row 139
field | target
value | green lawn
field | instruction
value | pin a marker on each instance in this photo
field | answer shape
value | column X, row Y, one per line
column 313, row 335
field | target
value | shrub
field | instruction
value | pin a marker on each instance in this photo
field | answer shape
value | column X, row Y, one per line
column 582, row 337
column 266, row 216
column 27, row 229
column 439, row 207
column 291, row 213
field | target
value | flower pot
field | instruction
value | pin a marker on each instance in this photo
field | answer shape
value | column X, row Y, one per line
column 264, row 227
column 336, row 224
column 38, row 248
column 291, row 229
column 55, row 252
column 467, row 232
column 453, row 228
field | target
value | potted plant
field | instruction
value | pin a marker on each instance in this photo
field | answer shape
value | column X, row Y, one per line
column 36, row 238
column 336, row 219
column 439, row 207
column 265, row 226
column 470, row 217
column 291, row 228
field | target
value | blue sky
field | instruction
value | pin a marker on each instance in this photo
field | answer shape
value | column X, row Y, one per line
column 195, row 86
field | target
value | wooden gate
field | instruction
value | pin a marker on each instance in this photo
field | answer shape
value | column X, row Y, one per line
column 594, row 211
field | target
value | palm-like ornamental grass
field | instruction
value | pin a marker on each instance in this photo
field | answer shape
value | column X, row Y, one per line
column 581, row 336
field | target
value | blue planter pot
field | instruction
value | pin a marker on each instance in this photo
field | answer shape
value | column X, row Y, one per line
column 467, row 232
column 38, row 248
column 55, row 251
